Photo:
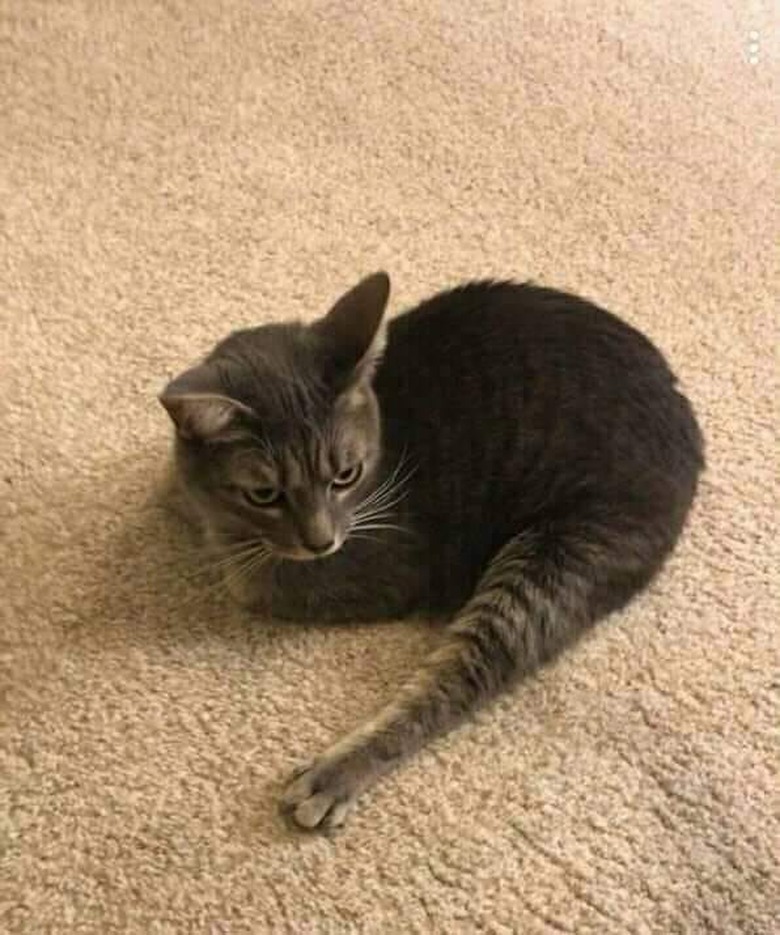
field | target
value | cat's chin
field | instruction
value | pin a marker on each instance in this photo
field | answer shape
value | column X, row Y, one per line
column 303, row 555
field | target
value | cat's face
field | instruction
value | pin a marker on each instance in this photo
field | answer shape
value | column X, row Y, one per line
column 297, row 492
column 279, row 431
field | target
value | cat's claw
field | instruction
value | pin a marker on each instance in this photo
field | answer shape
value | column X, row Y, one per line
column 320, row 796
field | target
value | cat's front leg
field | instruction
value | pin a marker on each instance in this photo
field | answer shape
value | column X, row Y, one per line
column 299, row 592
column 525, row 610
column 322, row 794
column 250, row 592
column 354, row 584
column 306, row 597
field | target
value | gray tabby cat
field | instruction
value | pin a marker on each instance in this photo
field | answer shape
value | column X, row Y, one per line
column 508, row 455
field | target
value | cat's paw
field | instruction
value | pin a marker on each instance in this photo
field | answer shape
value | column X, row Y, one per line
column 321, row 795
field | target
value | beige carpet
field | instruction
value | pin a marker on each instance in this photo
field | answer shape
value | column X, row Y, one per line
column 174, row 169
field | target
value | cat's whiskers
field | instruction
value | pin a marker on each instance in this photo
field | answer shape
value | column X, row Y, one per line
column 202, row 595
column 225, row 556
column 365, row 536
column 228, row 558
column 386, row 483
column 375, row 512
column 246, row 568
column 391, row 485
column 364, row 521
column 245, row 564
column 242, row 560
column 379, row 504
column 227, row 566
column 362, row 527
column 379, row 511
column 377, row 494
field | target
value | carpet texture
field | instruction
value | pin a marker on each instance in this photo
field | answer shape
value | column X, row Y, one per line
column 179, row 168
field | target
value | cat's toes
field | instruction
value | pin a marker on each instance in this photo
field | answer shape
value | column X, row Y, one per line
column 320, row 796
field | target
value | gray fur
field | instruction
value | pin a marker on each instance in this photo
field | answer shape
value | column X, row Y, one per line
column 526, row 465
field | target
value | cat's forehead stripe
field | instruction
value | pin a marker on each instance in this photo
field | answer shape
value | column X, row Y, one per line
column 293, row 474
column 324, row 460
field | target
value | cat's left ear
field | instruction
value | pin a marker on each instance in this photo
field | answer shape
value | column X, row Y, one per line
column 354, row 328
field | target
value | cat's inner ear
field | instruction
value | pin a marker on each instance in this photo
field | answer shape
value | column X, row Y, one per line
column 200, row 408
column 353, row 329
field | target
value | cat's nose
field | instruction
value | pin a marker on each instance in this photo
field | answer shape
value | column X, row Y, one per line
column 316, row 528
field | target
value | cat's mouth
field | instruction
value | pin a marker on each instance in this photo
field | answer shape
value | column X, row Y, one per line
column 311, row 553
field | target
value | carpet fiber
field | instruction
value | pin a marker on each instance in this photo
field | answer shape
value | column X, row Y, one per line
column 174, row 169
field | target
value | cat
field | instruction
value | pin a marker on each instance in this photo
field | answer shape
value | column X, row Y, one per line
column 511, row 457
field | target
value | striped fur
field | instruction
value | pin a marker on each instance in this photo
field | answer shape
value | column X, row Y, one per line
column 531, row 603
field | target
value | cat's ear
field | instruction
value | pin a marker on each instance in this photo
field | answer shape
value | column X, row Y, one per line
column 199, row 407
column 354, row 330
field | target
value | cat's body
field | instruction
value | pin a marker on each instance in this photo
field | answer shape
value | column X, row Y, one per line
column 533, row 469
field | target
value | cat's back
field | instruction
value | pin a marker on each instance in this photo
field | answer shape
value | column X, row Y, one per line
column 492, row 377
column 514, row 401
column 493, row 317
column 487, row 339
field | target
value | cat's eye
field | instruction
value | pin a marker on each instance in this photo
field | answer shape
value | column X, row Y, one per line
column 348, row 476
column 263, row 496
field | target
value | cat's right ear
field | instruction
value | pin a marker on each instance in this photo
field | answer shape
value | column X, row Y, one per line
column 354, row 330
column 199, row 407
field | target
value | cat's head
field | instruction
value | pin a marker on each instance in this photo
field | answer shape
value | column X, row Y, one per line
column 278, row 433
